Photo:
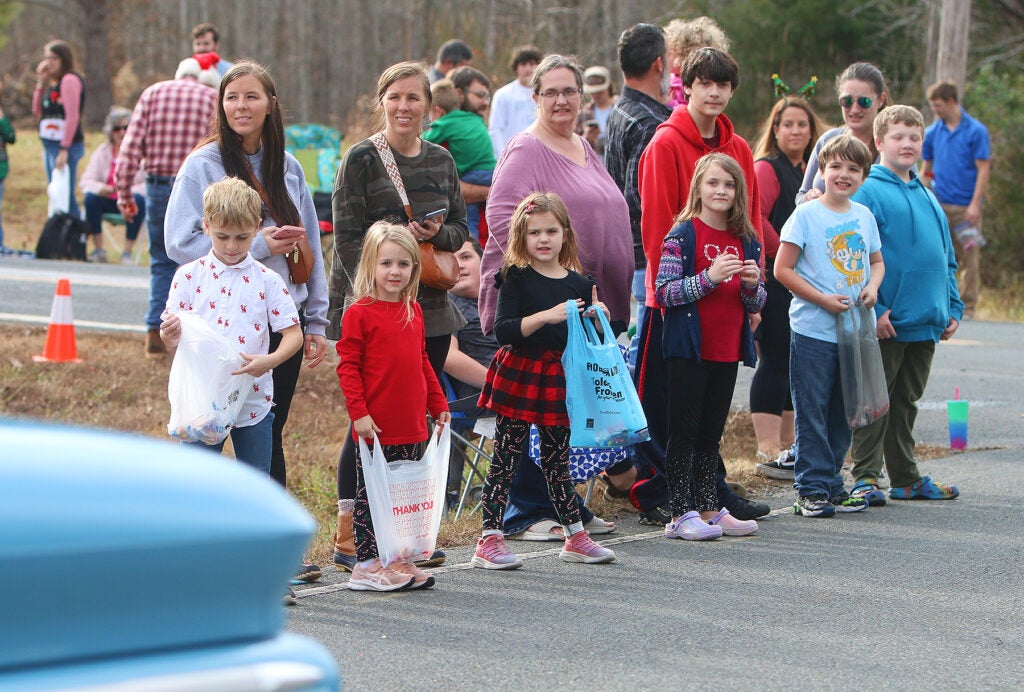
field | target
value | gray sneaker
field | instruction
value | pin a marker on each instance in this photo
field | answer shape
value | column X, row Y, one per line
column 98, row 255
column 781, row 469
column 813, row 506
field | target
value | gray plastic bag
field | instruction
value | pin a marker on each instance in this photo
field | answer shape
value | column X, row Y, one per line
column 865, row 394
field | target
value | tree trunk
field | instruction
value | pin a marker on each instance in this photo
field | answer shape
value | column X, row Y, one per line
column 954, row 38
column 95, row 62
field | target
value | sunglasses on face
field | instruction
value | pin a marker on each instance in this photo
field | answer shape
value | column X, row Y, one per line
column 862, row 101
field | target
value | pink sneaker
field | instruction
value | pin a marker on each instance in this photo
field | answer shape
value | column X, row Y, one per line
column 491, row 553
column 373, row 576
column 579, row 548
column 421, row 580
column 731, row 526
column 690, row 527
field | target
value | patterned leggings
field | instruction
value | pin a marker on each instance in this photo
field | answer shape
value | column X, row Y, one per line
column 510, row 437
column 362, row 522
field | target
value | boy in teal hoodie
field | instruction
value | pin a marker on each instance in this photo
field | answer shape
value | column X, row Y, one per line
column 918, row 306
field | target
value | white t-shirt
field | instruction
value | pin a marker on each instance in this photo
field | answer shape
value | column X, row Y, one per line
column 242, row 302
column 512, row 111
column 834, row 258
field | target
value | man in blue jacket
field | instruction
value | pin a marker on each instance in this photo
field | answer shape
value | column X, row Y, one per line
column 918, row 306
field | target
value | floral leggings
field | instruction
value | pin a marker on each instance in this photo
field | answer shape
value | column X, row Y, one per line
column 362, row 522
column 511, row 434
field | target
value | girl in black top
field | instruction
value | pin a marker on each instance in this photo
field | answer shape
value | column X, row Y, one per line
column 525, row 382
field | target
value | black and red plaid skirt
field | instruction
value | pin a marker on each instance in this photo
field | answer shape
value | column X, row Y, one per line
column 526, row 385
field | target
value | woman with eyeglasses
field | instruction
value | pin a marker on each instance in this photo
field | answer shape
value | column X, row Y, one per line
column 862, row 94
column 99, row 187
column 549, row 157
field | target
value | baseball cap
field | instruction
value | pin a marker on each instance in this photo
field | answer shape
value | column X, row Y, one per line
column 596, row 78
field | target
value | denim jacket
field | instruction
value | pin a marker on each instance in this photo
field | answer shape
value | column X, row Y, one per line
column 681, row 336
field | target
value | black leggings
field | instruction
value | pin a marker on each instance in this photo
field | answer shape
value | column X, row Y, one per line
column 769, row 390
column 437, row 354
column 285, row 376
column 699, row 399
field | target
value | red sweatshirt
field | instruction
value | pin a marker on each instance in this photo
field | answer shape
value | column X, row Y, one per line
column 385, row 373
column 666, row 168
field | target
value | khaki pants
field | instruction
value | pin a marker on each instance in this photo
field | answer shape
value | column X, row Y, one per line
column 968, row 261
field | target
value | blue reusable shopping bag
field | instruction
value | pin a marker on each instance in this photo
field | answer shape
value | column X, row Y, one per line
column 604, row 410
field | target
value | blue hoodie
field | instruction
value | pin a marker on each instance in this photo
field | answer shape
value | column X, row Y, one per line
column 920, row 266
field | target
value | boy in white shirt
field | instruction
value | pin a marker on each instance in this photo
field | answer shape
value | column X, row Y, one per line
column 242, row 300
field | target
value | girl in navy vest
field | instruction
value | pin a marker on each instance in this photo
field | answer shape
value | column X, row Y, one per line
column 709, row 279
column 57, row 102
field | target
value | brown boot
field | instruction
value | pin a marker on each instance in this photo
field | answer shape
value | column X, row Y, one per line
column 344, row 544
column 154, row 344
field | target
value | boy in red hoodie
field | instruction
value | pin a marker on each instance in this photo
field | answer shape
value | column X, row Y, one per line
column 710, row 78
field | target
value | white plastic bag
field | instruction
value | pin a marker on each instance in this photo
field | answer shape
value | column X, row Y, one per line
column 59, row 192
column 406, row 498
column 861, row 373
column 205, row 397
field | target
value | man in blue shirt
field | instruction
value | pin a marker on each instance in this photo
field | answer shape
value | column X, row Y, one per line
column 956, row 161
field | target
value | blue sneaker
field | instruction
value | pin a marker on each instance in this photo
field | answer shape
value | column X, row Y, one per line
column 869, row 492
column 925, row 489
column 813, row 506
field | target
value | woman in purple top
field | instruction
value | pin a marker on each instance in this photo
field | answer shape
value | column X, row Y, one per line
column 549, row 157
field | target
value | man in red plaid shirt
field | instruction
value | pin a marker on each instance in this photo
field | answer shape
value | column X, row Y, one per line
column 168, row 121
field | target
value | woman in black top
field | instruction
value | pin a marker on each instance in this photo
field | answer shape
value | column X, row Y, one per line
column 781, row 154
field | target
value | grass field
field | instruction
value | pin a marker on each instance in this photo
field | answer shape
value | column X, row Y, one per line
column 117, row 388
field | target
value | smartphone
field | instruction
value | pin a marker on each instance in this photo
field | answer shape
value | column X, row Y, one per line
column 430, row 216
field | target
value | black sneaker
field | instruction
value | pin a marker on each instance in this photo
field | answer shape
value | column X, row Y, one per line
column 813, row 506
column 344, row 562
column 436, row 559
column 307, row 573
column 657, row 516
column 781, row 469
column 745, row 510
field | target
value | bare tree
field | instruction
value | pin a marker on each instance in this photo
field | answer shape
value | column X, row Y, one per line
column 954, row 39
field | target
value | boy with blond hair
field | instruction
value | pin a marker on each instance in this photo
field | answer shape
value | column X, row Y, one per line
column 830, row 258
column 918, row 306
column 241, row 300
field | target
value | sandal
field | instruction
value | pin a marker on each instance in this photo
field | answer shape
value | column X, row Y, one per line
column 543, row 530
column 598, row 526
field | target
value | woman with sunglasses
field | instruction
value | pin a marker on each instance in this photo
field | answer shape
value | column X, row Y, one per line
column 862, row 94
column 99, row 187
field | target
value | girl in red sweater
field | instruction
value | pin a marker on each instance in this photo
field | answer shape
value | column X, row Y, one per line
column 709, row 279
column 388, row 383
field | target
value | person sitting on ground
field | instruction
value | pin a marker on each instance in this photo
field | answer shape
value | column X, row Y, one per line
column 100, row 187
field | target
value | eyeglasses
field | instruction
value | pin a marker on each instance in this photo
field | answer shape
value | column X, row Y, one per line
column 482, row 94
column 862, row 101
column 566, row 93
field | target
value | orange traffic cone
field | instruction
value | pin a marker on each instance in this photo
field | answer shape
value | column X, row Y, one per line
column 60, row 337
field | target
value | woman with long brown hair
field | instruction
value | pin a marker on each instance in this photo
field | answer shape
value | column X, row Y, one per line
column 57, row 102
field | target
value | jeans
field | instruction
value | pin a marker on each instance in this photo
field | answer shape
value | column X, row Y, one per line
column 251, row 444
column 473, row 211
column 822, row 433
column 75, row 154
column 96, row 206
column 528, row 498
column 161, row 267
column 639, row 289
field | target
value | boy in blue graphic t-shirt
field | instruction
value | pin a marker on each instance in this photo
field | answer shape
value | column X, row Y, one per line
column 830, row 258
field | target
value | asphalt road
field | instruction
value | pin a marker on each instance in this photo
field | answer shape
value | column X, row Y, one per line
column 909, row 596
